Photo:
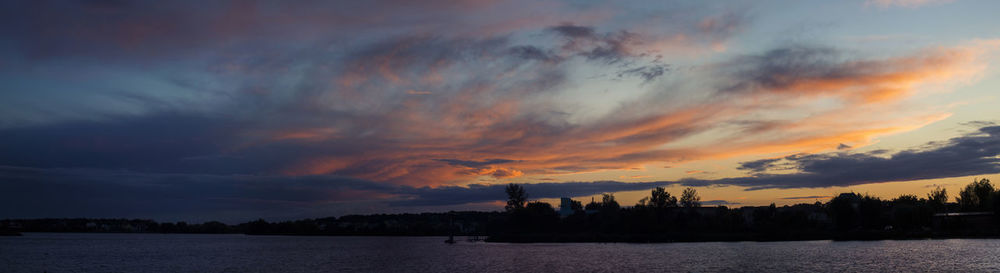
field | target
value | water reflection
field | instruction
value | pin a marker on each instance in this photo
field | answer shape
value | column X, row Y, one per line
column 37, row 252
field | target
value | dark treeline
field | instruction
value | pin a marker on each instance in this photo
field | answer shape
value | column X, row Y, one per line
column 660, row 217
column 423, row 224
column 113, row 226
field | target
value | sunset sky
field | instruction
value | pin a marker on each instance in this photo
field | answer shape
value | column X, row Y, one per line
column 238, row 110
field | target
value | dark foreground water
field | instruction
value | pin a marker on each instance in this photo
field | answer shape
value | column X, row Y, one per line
column 60, row 252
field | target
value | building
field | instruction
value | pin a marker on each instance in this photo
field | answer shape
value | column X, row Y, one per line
column 565, row 207
column 965, row 220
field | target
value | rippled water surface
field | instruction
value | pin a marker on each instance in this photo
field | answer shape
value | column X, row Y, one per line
column 58, row 252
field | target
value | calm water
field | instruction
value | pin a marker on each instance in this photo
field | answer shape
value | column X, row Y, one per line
column 55, row 252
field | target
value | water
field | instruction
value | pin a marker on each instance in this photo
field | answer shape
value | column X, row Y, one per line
column 61, row 252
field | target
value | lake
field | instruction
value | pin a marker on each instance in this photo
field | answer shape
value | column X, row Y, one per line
column 91, row 252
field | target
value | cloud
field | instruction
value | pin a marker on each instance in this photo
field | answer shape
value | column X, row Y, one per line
column 37, row 192
column 417, row 92
column 476, row 164
column 34, row 192
column 977, row 153
column 807, row 197
column 818, row 71
column 647, row 73
column 575, row 32
column 88, row 192
column 606, row 47
column 357, row 121
column 905, row 3
column 758, row 165
column 718, row 203
column 418, row 100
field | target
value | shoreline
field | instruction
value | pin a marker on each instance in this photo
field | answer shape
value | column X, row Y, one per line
column 640, row 238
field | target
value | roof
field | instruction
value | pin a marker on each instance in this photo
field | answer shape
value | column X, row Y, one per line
column 952, row 214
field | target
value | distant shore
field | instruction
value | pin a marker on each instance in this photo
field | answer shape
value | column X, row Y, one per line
column 651, row 238
column 657, row 218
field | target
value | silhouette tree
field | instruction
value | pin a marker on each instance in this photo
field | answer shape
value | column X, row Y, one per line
column 593, row 205
column 690, row 198
column 642, row 203
column 844, row 210
column 906, row 199
column 871, row 212
column 538, row 216
column 976, row 196
column 909, row 212
column 576, row 206
column 608, row 202
column 937, row 199
column 516, row 197
column 660, row 198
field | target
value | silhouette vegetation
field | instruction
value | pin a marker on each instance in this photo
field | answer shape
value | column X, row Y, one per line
column 662, row 217
column 659, row 217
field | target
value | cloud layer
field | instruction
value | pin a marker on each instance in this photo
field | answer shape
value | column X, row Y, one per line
column 501, row 129
column 33, row 192
column 977, row 153
column 309, row 106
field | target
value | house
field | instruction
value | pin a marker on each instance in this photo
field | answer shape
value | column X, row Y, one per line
column 964, row 220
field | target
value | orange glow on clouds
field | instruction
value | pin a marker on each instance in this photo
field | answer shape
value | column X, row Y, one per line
column 465, row 126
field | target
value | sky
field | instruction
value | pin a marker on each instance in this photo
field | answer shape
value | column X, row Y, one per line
column 239, row 110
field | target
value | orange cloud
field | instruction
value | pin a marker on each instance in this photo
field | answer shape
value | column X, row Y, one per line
column 412, row 137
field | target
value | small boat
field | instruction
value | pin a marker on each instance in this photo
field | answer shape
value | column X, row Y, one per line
column 451, row 239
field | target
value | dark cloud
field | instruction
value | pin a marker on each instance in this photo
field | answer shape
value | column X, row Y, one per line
column 646, row 73
column 814, row 70
column 33, row 192
column 246, row 87
column 718, row 203
column 760, row 165
column 534, row 53
column 575, row 32
column 611, row 48
column 239, row 104
column 276, row 122
column 979, row 123
column 37, row 192
column 782, row 67
column 973, row 154
column 120, row 30
column 147, row 143
column 65, row 192
column 806, row 197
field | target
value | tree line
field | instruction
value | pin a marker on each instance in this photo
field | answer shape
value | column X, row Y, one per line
column 659, row 217
column 662, row 216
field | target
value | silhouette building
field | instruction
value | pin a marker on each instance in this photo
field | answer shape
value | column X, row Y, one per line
column 565, row 207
